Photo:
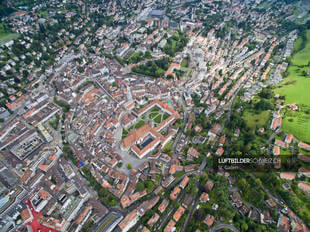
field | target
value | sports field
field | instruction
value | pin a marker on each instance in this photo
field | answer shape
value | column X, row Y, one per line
column 296, row 89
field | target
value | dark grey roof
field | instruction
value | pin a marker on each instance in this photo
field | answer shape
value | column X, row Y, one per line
column 157, row 13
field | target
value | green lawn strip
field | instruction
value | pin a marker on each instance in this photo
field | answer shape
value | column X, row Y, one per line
column 179, row 174
column 158, row 119
column 297, row 44
column 165, row 116
column 124, row 133
column 101, row 228
column 5, row 37
column 139, row 124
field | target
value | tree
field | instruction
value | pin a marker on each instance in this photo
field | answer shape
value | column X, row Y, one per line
column 25, row 74
column 129, row 166
column 140, row 186
column 120, row 164
column 80, row 69
column 266, row 93
column 263, row 105
column 244, row 227
column 149, row 185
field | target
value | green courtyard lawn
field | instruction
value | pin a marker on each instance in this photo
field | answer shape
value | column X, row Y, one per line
column 296, row 89
column 157, row 116
column 155, row 109
column 158, row 119
column 5, row 37
column 256, row 120
column 138, row 125
column 153, row 115
column 165, row 116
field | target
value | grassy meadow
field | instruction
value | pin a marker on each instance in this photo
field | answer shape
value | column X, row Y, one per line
column 296, row 89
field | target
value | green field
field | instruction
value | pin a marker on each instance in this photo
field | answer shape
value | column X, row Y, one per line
column 5, row 37
column 256, row 120
column 296, row 89
column 297, row 123
column 302, row 57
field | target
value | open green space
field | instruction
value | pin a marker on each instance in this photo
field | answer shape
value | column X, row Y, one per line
column 5, row 37
column 295, row 88
column 297, row 44
column 256, row 120
column 302, row 57
column 298, row 124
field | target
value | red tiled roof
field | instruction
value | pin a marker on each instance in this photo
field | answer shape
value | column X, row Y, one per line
column 178, row 214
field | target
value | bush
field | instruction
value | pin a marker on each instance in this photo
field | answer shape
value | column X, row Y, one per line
column 120, row 164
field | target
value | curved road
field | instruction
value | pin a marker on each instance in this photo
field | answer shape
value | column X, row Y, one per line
column 270, row 140
column 220, row 226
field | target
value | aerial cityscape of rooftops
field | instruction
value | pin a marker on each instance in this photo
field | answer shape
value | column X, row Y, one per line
column 125, row 115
